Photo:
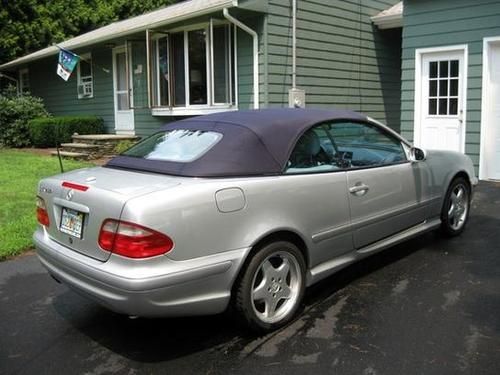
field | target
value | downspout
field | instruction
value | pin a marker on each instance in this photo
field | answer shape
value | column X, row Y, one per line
column 255, row 54
column 294, row 44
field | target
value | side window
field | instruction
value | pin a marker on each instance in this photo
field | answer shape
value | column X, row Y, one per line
column 361, row 145
column 314, row 152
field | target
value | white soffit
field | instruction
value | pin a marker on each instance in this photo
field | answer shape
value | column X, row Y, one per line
column 160, row 17
column 390, row 18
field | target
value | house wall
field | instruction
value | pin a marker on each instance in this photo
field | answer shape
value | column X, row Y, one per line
column 343, row 60
column 61, row 98
column 431, row 23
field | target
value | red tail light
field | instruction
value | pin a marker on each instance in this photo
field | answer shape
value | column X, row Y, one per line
column 41, row 212
column 133, row 240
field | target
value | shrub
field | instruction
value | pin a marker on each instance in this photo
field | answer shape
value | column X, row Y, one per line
column 15, row 113
column 123, row 146
column 46, row 132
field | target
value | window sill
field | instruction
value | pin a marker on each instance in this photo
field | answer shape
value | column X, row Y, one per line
column 191, row 111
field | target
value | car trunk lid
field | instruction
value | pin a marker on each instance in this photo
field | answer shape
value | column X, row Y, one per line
column 78, row 202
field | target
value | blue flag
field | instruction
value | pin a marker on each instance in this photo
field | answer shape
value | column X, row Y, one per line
column 67, row 63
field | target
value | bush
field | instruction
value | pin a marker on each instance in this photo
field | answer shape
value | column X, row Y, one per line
column 15, row 113
column 123, row 146
column 46, row 132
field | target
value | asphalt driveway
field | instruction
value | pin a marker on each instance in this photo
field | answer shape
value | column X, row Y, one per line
column 428, row 306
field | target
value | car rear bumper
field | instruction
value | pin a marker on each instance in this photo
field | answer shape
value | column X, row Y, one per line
column 152, row 287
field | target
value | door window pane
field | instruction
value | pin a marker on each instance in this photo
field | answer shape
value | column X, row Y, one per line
column 443, row 68
column 443, row 87
column 313, row 153
column 121, row 72
column 433, row 69
column 433, row 88
column 432, row 106
column 363, row 145
column 197, row 67
column 454, row 68
column 443, row 110
column 453, row 106
column 453, row 87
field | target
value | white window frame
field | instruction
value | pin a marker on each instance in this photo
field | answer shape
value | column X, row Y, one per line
column 196, row 109
column 23, row 87
column 85, row 82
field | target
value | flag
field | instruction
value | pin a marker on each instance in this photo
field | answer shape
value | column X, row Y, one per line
column 67, row 62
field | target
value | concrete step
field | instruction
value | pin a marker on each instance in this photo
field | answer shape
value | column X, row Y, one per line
column 81, row 146
column 105, row 139
column 72, row 155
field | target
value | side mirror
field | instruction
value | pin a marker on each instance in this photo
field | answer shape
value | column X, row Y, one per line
column 417, row 154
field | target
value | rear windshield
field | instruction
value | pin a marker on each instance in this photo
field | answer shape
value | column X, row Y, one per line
column 179, row 145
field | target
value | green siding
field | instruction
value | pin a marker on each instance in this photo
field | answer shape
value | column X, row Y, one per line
column 61, row 98
column 431, row 23
column 343, row 60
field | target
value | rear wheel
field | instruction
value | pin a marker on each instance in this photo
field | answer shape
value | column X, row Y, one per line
column 456, row 206
column 271, row 287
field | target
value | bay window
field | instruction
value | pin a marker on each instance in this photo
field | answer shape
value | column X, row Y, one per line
column 193, row 68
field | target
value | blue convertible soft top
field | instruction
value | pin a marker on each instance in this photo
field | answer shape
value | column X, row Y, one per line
column 256, row 142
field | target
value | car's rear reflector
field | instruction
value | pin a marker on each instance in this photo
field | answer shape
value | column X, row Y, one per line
column 133, row 240
column 72, row 185
column 41, row 212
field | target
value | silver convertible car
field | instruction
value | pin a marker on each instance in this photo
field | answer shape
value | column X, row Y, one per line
column 243, row 209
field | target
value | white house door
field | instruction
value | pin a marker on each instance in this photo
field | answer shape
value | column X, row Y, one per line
column 491, row 157
column 442, row 99
column 124, row 115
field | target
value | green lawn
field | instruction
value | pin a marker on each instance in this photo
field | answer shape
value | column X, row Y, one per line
column 20, row 172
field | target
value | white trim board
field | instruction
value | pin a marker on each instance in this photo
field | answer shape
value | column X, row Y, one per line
column 417, row 109
column 485, row 105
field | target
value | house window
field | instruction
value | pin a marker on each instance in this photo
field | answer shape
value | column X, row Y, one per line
column 84, row 75
column 193, row 68
column 24, row 81
column 443, row 87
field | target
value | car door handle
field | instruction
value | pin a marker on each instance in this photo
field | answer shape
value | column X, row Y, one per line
column 359, row 190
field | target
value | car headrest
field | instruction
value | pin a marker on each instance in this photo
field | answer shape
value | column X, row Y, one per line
column 309, row 144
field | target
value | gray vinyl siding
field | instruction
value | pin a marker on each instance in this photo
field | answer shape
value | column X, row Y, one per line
column 431, row 23
column 343, row 60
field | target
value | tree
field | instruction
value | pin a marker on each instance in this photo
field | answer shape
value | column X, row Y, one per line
column 29, row 25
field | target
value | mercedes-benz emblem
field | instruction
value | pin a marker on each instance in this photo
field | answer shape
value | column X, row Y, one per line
column 69, row 194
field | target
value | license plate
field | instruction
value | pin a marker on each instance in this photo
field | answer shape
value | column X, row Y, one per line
column 72, row 222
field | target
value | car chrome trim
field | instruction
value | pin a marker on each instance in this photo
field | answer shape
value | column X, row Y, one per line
column 331, row 232
column 72, row 205
column 395, row 212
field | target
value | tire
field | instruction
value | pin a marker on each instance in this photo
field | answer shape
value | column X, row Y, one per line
column 270, row 289
column 456, row 207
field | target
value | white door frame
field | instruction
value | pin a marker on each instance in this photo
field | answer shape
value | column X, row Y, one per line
column 417, row 111
column 485, row 104
column 117, row 50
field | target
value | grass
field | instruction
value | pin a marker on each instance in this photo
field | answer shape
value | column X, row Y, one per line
column 20, row 172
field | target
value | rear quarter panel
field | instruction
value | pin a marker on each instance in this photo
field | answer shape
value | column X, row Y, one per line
column 303, row 204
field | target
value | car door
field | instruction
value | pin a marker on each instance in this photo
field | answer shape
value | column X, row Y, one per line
column 319, row 195
column 384, row 186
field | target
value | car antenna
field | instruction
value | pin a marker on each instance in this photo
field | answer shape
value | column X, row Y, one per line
column 58, row 152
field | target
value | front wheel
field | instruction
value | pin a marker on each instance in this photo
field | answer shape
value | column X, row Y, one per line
column 271, row 287
column 456, row 207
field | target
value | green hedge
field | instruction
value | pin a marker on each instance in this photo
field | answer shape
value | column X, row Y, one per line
column 46, row 132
